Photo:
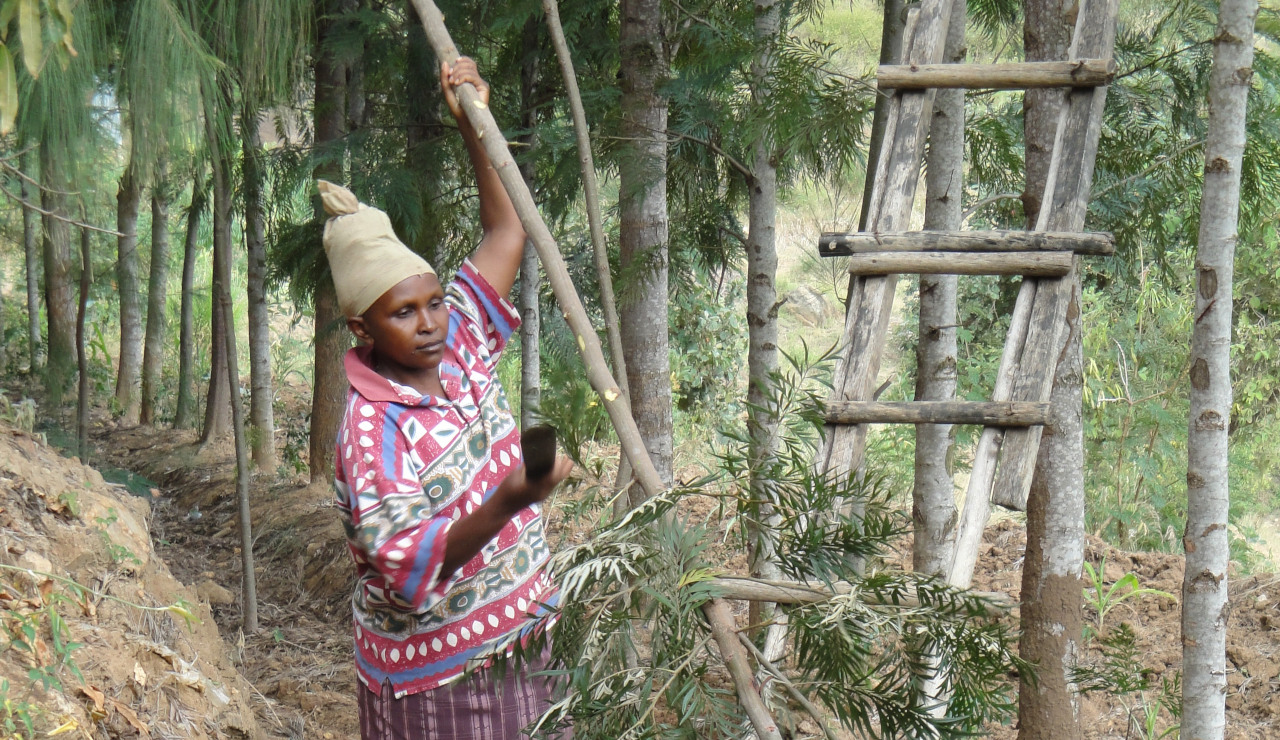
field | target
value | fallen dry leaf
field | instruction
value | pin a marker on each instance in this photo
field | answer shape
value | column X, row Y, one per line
column 96, row 695
column 132, row 718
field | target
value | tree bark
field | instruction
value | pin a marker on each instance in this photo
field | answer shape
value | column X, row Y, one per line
column 1048, row 707
column 218, row 400
column 261, row 414
column 1046, row 34
column 31, row 253
column 1206, row 540
column 890, row 53
column 157, row 294
column 530, row 277
column 82, row 357
column 933, row 509
column 762, row 309
column 60, row 303
column 329, row 384
column 643, row 228
column 184, row 415
column 128, row 397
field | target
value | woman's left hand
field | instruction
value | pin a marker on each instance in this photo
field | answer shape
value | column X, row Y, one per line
column 463, row 70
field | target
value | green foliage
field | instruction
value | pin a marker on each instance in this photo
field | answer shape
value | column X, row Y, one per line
column 1152, row 710
column 708, row 338
column 16, row 715
column 1102, row 598
column 639, row 585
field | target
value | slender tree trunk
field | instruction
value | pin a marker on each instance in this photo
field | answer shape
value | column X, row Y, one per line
column 329, row 386
column 261, row 413
column 217, row 410
column 217, row 106
column 157, row 296
column 890, row 53
column 643, row 228
column 82, row 356
column 60, row 303
column 762, row 295
column 184, row 416
column 591, row 193
column 1048, row 707
column 1206, row 541
column 31, row 252
column 530, row 275
column 128, row 396
column 933, row 511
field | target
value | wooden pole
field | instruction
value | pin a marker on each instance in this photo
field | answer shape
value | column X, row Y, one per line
column 553, row 264
column 988, row 413
column 598, row 374
column 792, row 592
column 725, row 632
column 1016, row 76
column 1032, row 264
column 843, row 245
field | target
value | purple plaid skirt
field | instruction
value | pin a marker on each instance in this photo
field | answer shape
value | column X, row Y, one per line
column 479, row 707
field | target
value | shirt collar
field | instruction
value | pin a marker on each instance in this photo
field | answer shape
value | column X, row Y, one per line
column 358, row 363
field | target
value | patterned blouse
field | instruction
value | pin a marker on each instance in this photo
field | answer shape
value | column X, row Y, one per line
column 409, row 466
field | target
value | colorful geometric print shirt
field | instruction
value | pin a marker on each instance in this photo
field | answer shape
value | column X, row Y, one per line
column 409, row 466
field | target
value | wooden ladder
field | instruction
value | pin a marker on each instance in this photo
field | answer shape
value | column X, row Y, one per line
column 1014, row 418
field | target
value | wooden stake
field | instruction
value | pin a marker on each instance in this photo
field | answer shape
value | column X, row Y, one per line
column 1016, row 76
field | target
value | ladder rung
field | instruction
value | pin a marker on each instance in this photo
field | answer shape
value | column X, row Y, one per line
column 1012, row 76
column 1030, row 264
column 988, row 413
column 843, row 245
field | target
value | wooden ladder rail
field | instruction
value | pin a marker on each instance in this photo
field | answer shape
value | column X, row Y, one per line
column 1036, row 338
column 893, row 192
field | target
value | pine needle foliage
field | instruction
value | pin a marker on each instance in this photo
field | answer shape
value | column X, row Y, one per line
column 637, row 588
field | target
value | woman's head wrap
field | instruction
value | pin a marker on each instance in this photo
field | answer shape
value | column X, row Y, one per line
column 365, row 256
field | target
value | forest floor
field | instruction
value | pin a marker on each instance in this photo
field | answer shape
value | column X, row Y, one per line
column 296, row 671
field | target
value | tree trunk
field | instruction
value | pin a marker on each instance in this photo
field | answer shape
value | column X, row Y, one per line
column 1046, row 34
column 184, row 416
column 157, row 295
column 1206, row 541
column 218, row 402
column 216, row 107
column 60, row 303
column 329, row 386
column 643, row 228
column 530, row 276
column 82, row 356
column 762, row 294
column 1048, row 707
column 933, row 510
column 31, row 252
column 261, row 414
column 890, row 53
column 128, row 396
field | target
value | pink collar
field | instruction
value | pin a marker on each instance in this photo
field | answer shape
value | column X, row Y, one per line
column 358, row 363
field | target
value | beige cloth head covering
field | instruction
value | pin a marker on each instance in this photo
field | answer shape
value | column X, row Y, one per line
column 365, row 256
